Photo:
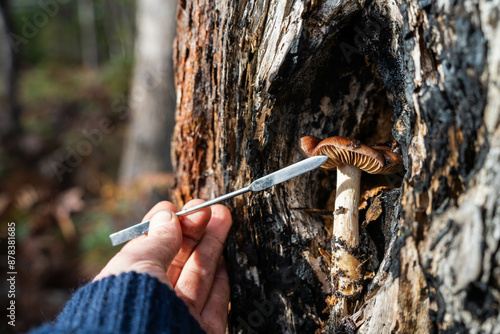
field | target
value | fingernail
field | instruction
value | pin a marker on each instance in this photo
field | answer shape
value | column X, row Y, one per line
column 160, row 218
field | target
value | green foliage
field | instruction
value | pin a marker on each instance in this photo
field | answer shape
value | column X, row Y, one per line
column 94, row 229
column 116, row 75
column 50, row 83
column 45, row 35
column 55, row 34
column 39, row 126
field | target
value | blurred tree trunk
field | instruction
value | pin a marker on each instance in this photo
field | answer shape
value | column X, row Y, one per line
column 9, row 109
column 152, row 98
column 88, row 35
column 120, row 28
column 255, row 76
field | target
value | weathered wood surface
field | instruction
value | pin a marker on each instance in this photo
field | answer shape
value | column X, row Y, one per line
column 252, row 77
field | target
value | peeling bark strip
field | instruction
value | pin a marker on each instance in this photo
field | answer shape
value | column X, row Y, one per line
column 252, row 77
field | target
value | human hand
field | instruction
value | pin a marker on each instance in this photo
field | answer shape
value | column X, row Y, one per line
column 185, row 254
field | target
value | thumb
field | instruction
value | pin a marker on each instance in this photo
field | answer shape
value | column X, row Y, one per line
column 164, row 237
column 151, row 255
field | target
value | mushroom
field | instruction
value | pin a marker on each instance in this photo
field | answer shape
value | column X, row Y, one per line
column 349, row 156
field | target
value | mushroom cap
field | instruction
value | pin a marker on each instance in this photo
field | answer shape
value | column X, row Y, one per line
column 349, row 151
column 393, row 160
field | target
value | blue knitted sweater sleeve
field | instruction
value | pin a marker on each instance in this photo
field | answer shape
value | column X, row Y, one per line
column 128, row 303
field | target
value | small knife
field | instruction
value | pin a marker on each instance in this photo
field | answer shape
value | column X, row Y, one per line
column 264, row 182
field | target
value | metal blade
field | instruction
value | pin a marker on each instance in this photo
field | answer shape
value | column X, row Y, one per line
column 264, row 182
column 287, row 173
column 129, row 233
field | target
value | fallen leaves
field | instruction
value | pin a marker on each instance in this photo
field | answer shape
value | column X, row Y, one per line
column 374, row 211
column 369, row 194
column 66, row 203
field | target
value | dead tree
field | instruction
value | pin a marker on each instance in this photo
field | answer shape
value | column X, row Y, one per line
column 252, row 77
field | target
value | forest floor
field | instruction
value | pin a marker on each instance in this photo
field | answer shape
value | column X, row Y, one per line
column 58, row 183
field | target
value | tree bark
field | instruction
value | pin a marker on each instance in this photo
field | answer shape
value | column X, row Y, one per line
column 152, row 98
column 253, row 77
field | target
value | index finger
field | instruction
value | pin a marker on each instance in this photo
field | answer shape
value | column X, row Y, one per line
column 193, row 227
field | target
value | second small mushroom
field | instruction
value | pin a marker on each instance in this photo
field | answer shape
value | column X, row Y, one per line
column 349, row 156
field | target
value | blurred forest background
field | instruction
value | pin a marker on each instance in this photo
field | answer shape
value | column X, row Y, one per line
column 86, row 94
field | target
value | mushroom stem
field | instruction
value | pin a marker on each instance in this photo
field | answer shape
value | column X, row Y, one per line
column 349, row 156
column 346, row 269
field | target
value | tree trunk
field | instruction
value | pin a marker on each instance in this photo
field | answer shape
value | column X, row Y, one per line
column 253, row 77
column 9, row 109
column 88, row 37
column 120, row 28
column 152, row 98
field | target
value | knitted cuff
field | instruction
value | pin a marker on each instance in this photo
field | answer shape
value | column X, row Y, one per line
column 128, row 303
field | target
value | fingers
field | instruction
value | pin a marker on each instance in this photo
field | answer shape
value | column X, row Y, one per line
column 190, row 251
column 193, row 228
column 152, row 254
column 214, row 314
column 196, row 279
